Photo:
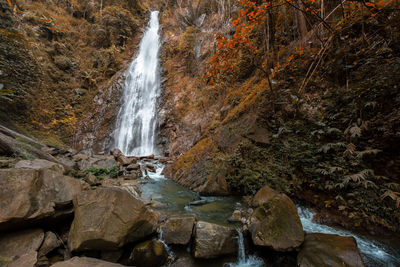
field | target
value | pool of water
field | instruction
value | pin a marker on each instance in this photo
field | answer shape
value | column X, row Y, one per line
column 173, row 198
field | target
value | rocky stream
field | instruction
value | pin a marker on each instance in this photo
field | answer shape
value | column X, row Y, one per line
column 63, row 208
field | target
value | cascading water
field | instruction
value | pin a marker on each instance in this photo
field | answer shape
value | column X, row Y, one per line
column 136, row 120
column 374, row 254
column 243, row 260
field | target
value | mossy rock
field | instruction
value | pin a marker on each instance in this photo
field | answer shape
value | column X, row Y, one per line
column 276, row 224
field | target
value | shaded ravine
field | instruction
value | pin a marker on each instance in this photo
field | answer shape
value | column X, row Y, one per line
column 136, row 121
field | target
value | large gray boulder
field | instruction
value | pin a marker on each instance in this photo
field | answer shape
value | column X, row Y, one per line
column 85, row 262
column 321, row 250
column 178, row 229
column 276, row 223
column 20, row 248
column 108, row 218
column 33, row 194
column 212, row 240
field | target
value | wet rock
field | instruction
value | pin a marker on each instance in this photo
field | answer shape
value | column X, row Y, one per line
column 150, row 168
column 50, row 243
column 85, row 262
column 125, row 161
column 29, row 195
column 236, row 217
column 263, row 195
column 329, row 250
column 133, row 167
column 39, row 164
column 276, row 224
column 199, row 202
column 101, row 222
column 212, row 240
column 149, row 253
column 178, row 230
column 20, row 248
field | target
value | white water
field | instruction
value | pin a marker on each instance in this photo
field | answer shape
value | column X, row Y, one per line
column 136, row 121
column 243, row 260
column 374, row 254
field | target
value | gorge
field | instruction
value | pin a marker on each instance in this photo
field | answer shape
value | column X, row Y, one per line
column 191, row 139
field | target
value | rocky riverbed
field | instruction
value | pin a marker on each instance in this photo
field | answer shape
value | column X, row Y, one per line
column 89, row 211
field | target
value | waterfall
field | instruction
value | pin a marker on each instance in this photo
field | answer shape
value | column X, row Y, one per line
column 243, row 261
column 136, row 121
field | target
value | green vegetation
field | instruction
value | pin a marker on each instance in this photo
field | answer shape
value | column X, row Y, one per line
column 102, row 172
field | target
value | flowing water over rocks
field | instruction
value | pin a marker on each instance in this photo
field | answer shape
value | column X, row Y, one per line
column 374, row 254
column 136, row 122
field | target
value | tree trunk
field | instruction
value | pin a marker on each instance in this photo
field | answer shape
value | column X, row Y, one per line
column 301, row 21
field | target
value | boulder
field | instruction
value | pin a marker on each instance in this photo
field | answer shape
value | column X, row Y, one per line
column 94, row 162
column 212, row 240
column 19, row 243
column 125, row 161
column 20, row 248
column 85, row 262
column 329, row 250
column 133, row 167
column 50, row 243
column 91, row 179
column 263, row 195
column 39, row 164
column 149, row 253
column 150, row 168
column 178, row 230
column 28, row 195
column 116, row 152
column 26, row 260
column 107, row 219
column 276, row 224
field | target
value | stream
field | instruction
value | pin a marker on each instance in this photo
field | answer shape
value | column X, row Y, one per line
column 172, row 198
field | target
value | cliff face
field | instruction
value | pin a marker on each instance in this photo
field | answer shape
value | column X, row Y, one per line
column 320, row 146
column 57, row 56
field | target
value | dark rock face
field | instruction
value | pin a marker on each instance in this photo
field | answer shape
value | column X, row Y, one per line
column 31, row 195
column 149, row 253
column 107, row 219
column 329, row 250
column 85, row 262
column 95, row 132
column 178, row 230
column 212, row 240
column 276, row 223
